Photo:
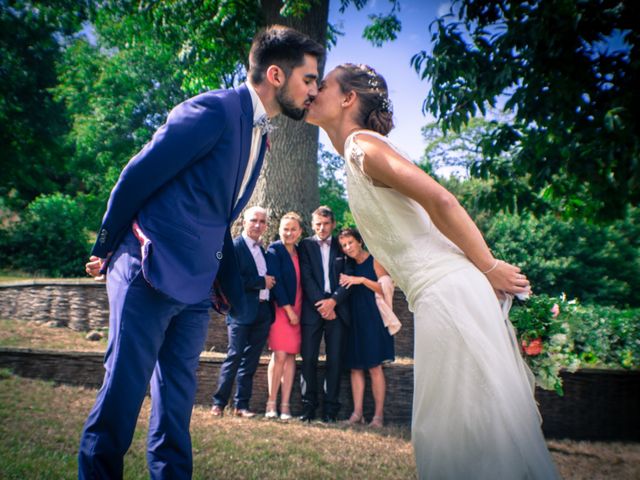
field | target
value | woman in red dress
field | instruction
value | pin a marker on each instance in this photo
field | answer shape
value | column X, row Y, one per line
column 284, row 336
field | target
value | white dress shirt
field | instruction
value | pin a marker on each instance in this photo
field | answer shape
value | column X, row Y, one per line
column 261, row 263
column 256, row 138
column 325, row 250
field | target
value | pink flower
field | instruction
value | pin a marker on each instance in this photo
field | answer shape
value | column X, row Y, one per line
column 555, row 310
column 533, row 348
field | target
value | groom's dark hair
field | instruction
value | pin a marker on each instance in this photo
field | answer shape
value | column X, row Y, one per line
column 281, row 46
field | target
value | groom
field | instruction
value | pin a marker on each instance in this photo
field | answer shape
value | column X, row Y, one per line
column 165, row 238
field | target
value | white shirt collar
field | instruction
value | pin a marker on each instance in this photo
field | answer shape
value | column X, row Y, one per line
column 317, row 238
column 258, row 107
column 251, row 243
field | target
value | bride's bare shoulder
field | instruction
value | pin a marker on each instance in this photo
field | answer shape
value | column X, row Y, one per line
column 379, row 152
column 369, row 138
column 387, row 167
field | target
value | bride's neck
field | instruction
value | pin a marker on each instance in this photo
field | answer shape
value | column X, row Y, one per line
column 338, row 134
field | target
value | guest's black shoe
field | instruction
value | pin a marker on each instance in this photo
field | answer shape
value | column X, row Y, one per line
column 308, row 414
column 329, row 418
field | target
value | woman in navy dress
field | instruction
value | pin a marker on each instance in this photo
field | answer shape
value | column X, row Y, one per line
column 369, row 342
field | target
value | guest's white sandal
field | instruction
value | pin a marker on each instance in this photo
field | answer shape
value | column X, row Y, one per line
column 285, row 415
column 271, row 411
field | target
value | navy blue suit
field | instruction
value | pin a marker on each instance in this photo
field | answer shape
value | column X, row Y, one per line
column 181, row 190
column 247, row 329
column 281, row 266
column 314, row 327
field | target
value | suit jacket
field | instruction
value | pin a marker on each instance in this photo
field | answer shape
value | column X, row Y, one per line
column 312, row 275
column 182, row 188
column 252, row 283
column 281, row 266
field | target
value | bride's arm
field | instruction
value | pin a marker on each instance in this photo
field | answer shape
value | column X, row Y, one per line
column 385, row 166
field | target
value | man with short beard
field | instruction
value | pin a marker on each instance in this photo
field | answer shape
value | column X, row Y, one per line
column 165, row 239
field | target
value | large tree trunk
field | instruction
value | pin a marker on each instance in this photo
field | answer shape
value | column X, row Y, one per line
column 289, row 178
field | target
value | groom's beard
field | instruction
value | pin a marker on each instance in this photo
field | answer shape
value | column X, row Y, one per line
column 287, row 105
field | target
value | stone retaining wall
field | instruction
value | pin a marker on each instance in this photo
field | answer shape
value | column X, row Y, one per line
column 82, row 306
column 78, row 304
column 597, row 405
column 85, row 369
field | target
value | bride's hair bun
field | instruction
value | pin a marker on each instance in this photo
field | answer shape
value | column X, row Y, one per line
column 376, row 111
column 380, row 121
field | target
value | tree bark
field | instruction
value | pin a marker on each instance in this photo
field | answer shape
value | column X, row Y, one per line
column 289, row 177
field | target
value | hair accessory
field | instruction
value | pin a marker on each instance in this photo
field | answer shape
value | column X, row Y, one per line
column 375, row 84
column 386, row 104
column 374, row 80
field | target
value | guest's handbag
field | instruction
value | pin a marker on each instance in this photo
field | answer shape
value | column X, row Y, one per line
column 385, row 305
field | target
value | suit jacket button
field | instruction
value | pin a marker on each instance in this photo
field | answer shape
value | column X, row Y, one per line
column 219, row 255
column 103, row 236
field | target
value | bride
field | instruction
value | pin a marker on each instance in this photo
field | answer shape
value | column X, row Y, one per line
column 474, row 413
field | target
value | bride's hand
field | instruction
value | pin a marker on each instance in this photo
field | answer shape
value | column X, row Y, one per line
column 508, row 278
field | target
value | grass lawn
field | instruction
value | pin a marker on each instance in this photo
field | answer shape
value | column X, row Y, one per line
column 12, row 276
column 40, row 424
column 19, row 333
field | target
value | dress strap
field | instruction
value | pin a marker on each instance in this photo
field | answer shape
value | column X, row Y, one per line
column 372, row 133
column 351, row 140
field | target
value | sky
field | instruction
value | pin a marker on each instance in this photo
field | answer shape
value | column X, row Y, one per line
column 406, row 90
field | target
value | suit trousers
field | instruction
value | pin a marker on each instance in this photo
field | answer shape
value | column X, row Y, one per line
column 152, row 338
column 335, row 335
column 246, row 343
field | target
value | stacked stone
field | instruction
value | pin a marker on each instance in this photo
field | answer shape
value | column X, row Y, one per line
column 78, row 312
column 25, row 299
column 98, row 306
column 59, row 306
column 40, row 307
column 8, row 303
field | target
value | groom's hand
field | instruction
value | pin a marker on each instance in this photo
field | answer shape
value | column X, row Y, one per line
column 94, row 266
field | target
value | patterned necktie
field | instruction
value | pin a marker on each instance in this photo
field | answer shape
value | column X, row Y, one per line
column 264, row 124
column 326, row 241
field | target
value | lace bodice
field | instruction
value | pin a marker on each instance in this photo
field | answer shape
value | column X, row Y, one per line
column 397, row 230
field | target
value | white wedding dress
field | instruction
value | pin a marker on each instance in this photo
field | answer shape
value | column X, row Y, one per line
column 474, row 413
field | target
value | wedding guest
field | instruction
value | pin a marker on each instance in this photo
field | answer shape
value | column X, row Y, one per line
column 284, row 336
column 324, row 313
column 369, row 343
column 247, row 328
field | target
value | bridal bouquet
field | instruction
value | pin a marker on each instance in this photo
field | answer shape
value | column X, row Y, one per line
column 543, row 332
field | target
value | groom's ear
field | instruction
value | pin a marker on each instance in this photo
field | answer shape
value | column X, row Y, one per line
column 275, row 76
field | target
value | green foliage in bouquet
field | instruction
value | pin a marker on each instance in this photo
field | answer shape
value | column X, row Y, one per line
column 541, row 323
column 556, row 335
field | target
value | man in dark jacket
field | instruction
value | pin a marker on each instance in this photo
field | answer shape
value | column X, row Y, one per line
column 324, row 313
column 248, row 329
